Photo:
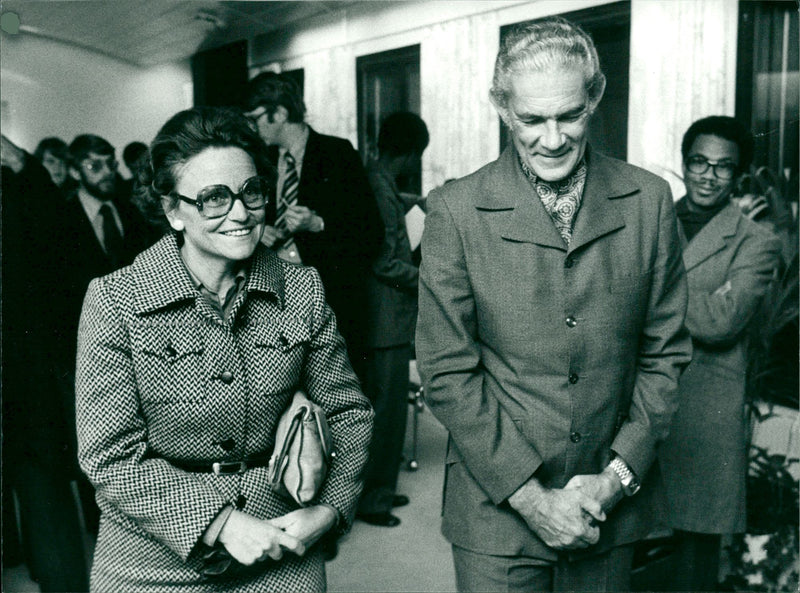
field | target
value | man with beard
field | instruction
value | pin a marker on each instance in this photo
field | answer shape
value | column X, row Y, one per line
column 97, row 234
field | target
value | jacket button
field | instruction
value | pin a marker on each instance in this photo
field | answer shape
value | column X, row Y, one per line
column 569, row 262
column 573, row 378
column 241, row 501
column 575, row 437
column 571, row 321
column 170, row 352
column 226, row 377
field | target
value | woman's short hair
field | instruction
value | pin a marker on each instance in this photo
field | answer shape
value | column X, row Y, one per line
column 185, row 135
column 270, row 90
column 549, row 43
column 55, row 146
column 724, row 127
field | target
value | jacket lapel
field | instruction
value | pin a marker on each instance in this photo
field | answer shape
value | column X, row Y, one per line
column 601, row 211
column 523, row 218
column 712, row 238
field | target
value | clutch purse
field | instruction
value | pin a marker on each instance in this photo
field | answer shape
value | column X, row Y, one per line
column 303, row 450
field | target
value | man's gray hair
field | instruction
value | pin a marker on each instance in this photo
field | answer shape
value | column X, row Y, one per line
column 542, row 45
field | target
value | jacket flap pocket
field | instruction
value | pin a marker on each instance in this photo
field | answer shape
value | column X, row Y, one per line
column 283, row 335
column 171, row 342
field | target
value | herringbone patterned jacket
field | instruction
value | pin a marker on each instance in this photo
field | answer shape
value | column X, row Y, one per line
column 160, row 376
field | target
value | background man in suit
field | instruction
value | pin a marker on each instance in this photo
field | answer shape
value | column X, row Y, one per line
column 730, row 261
column 39, row 459
column 98, row 233
column 325, row 214
column 550, row 334
column 392, row 313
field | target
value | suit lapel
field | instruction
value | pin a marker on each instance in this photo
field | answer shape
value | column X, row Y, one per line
column 509, row 194
column 312, row 165
column 712, row 238
column 601, row 211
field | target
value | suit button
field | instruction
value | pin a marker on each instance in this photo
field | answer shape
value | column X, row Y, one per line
column 226, row 377
column 573, row 378
column 571, row 321
column 241, row 500
column 575, row 437
column 569, row 262
column 170, row 351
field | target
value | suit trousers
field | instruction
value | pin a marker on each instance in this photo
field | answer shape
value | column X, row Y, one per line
column 51, row 525
column 386, row 384
column 609, row 571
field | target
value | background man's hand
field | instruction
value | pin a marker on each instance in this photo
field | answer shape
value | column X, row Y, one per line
column 563, row 519
column 271, row 236
column 605, row 488
column 11, row 155
column 300, row 218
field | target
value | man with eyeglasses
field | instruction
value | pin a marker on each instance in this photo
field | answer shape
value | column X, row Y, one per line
column 324, row 214
column 729, row 262
column 97, row 234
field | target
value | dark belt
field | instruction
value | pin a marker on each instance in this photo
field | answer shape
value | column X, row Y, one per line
column 222, row 468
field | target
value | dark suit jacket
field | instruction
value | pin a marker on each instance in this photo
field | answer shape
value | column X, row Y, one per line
column 82, row 258
column 333, row 184
column 704, row 459
column 394, row 279
column 36, row 428
column 541, row 359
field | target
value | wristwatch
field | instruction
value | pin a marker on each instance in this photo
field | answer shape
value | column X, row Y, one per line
column 630, row 483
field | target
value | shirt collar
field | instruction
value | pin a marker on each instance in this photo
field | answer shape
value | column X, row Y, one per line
column 166, row 280
column 91, row 205
column 578, row 172
column 298, row 148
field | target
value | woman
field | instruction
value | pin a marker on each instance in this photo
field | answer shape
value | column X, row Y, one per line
column 186, row 360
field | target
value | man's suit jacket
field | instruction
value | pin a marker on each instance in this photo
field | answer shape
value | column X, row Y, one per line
column 333, row 184
column 540, row 359
column 704, row 459
column 393, row 284
column 82, row 258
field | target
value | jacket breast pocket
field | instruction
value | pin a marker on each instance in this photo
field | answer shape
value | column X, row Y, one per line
column 279, row 356
column 169, row 364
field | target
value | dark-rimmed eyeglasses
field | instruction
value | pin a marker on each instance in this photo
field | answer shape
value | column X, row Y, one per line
column 722, row 169
column 216, row 201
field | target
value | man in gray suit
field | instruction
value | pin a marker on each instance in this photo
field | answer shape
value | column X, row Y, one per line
column 550, row 335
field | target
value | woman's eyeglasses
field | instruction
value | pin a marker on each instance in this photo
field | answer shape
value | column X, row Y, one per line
column 722, row 169
column 216, row 201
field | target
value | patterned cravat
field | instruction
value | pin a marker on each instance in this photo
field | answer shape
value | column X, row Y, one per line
column 288, row 198
column 112, row 239
column 561, row 199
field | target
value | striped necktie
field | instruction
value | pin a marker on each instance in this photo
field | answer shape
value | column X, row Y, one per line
column 288, row 198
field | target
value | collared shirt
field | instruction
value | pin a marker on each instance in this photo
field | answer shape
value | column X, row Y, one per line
column 91, row 206
column 561, row 199
column 220, row 304
column 298, row 152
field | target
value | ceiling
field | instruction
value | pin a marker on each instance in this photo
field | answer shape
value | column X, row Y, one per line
column 151, row 32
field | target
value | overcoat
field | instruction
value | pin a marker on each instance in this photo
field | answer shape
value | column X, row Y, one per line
column 540, row 358
column 162, row 379
column 704, row 459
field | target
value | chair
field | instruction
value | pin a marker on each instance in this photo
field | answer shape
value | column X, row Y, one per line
column 416, row 397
